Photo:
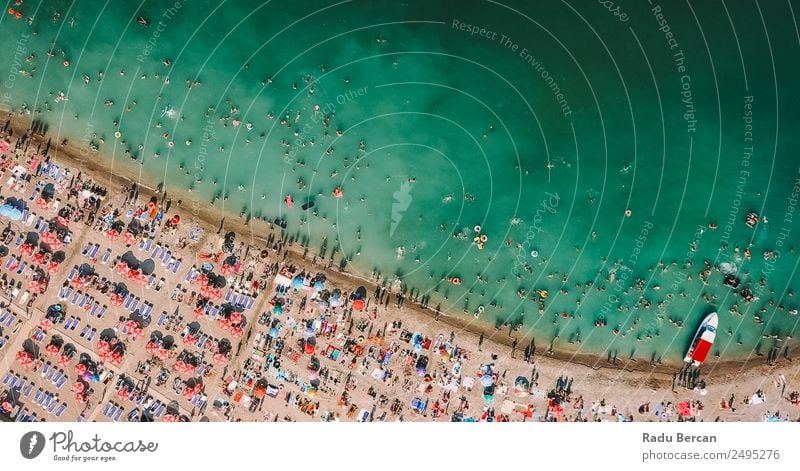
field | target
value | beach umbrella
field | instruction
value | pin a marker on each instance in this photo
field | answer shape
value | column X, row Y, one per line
column 46, row 324
column 273, row 332
column 80, row 369
column 7, row 407
column 190, row 339
column 78, row 387
column 80, row 397
column 52, row 267
column 26, row 249
column 319, row 285
column 237, row 332
column 487, row 380
column 188, row 393
column 151, row 348
column 236, row 318
column 52, row 350
column 123, row 394
column 278, row 309
column 298, row 281
column 162, row 354
column 358, row 304
column 220, row 359
column 63, row 361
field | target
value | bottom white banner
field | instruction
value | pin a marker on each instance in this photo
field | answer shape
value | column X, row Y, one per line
column 367, row 446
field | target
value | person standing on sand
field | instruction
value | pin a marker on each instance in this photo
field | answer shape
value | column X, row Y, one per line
column 480, row 342
column 513, row 348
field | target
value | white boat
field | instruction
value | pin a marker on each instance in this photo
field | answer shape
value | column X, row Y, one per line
column 703, row 340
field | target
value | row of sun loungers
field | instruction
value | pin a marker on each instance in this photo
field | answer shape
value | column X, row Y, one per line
column 7, row 318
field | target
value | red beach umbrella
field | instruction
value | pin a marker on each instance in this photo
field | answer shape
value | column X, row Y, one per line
column 188, row 393
column 80, row 397
column 358, row 304
column 46, row 324
column 202, row 280
column 123, row 394
column 41, row 203
column 62, row 221
column 151, row 348
column 162, row 354
column 52, row 267
column 224, row 324
column 138, row 333
column 78, row 387
column 198, row 388
column 63, row 361
column 237, row 332
column 112, row 235
column 236, row 318
column 38, row 258
column 129, row 238
column 226, row 269
column 116, row 300
column 116, row 358
column 80, row 368
column 7, row 407
column 24, row 357
column 26, row 249
column 220, row 359
column 102, row 346
column 198, row 312
column 52, row 350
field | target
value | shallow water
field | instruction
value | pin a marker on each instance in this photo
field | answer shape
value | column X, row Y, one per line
column 543, row 129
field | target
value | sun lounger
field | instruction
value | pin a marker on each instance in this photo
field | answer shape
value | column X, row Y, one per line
column 228, row 296
column 86, row 249
column 7, row 378
column 134, row 305
column 61, row 382
column 83, row 300
column 95, row 307
column 75, row 298
column 84, row 331
column 4, row 316
column 37, row 398
column 90, row 337
column 19, row 240
column 27, row 392
column 12, row 382
column 93, row 252
column 162, row 319
column 160, row 410
column 106, row 256
column 109, row 410
column 156, row 251
column 10, row 320
column 41, row 229
column 22, row 268
column 148, row 243
column 21, row 416
column 145, row 312
column 50, row 374
column 102, row 312
column 52, row 407
column 118, row 414
column 72, row 273
column 45, row 369
column 38, row 223
column 60, row 411
column 250, row 303
column 46, row 400
column 10, row 261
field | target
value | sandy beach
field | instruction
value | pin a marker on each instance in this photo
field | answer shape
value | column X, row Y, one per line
column 363, row 364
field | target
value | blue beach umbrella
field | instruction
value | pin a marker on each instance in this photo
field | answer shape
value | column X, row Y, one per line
column 11, row 212
column 336, row 298
column 487, row 380
column 273, row 332
column 278, row 309
column 319, row 285
column 297, row 283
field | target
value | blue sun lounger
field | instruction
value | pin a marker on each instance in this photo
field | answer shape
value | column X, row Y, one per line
column 118, row 414
column 27, row 392
column 162, row 319
column 156, row 251
column 102, row 312
column 93, row 252
column 10, row 261
column 60, row 411
column 177, row 266
column 106, row 256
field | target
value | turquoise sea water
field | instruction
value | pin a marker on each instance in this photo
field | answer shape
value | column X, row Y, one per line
column 541, row 122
